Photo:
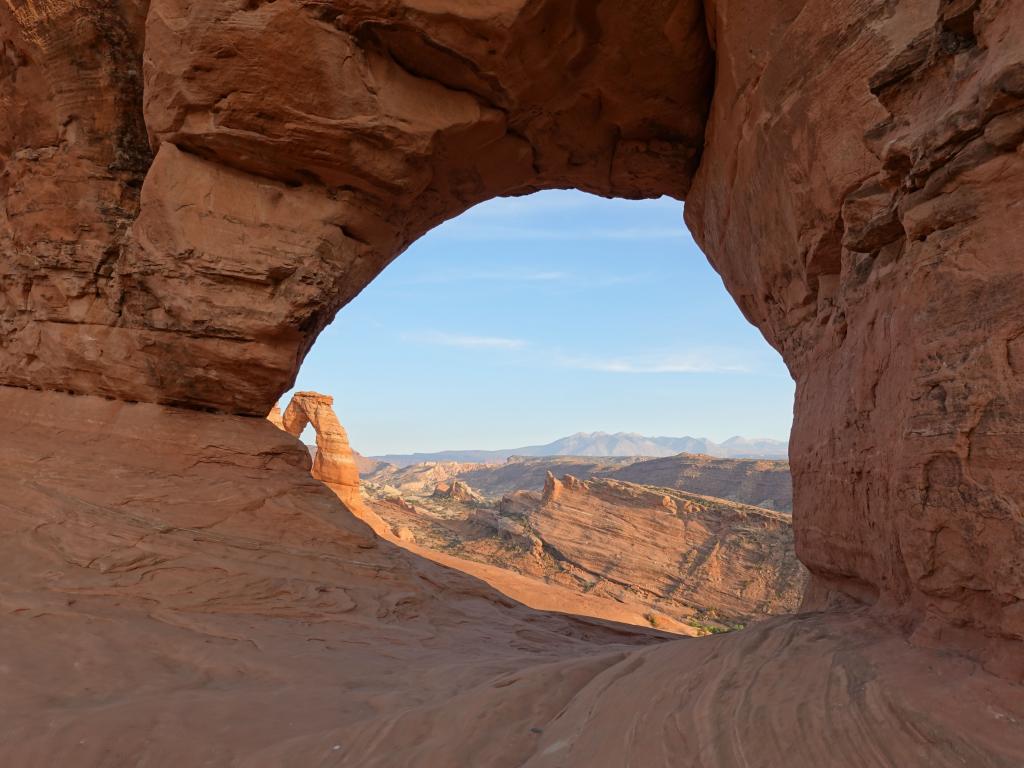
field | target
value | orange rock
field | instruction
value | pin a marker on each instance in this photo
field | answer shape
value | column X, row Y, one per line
column 731, row 560
column 857, row 210
column 855, row 174
column 456, row 491
column 275, row 416
column 334, row 462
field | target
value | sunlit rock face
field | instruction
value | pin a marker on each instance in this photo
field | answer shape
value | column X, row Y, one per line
column 863, row 213
column 334, row 462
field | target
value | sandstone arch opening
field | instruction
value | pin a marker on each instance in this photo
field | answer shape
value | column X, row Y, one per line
column 517, row 332
column 190, row 191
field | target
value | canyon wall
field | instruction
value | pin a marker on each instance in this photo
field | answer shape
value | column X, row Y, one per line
column 728, row 560
column 761, row 483
column 864, row 212
column 858, row 191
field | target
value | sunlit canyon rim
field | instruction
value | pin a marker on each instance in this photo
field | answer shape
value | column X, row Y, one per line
column 191, row 191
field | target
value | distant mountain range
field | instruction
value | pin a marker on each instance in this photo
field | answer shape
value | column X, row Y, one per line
column 604, row 444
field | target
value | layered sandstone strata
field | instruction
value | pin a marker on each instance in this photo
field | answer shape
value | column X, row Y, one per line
column 727, row 560
column 857, row 190
column 761, row 483
column 678, row 561
column 299, row 147
column 862, row 211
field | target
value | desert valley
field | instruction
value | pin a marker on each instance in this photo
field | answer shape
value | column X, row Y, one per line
column 625, row 538
column 659, row 545
column 680, row 560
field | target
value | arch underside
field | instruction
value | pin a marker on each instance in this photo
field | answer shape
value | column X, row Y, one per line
column 193, row 190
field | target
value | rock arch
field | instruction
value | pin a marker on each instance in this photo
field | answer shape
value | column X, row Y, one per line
column 850, row 169
column 334, row 462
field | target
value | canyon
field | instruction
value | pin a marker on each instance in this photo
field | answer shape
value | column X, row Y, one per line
column 758, row 483
column 676, row 561
column 192, row 191
column 675, row 557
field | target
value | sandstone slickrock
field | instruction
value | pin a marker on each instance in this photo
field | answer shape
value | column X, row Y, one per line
column 730, row 560
column 859, row 210
column 529, row 474
column 457, row 491
column 164, row 570
column 417, row 478
column 757, row 482
column 857, row 190
column 299, row 147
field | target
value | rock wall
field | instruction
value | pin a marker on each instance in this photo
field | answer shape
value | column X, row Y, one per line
column 750, row 481
column 863, row 211
column 725, row 560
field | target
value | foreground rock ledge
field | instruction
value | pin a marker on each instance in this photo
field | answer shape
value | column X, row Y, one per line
column 175, row 589
column 192, row 190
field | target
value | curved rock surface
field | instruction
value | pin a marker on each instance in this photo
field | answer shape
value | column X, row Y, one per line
column 750, row 481
column 857, row 211
column 417, row 478
column 677, row 561
column 758, row 482
column 163, row 570
column 725, row 560
column 299, row 147
column 456, row 491
column 192, row 190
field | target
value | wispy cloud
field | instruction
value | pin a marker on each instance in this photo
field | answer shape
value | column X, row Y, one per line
column 697, row 361
column 465, row 341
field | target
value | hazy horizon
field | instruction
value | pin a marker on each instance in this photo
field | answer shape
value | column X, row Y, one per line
column 573, row 434
column 526, row 320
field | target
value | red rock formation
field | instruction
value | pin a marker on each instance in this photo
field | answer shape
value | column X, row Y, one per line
column 418, row 478
column 676, row 550
column 858, row 211
column 163, row 570
column 751, row 481
column 857, row 191
column 266, row 209
column 456, row 491
column 275, row 416
column 334, row 462
column 761, row 483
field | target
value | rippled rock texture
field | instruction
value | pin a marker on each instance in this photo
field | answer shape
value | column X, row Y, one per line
column 192, row 190
column 863, row 212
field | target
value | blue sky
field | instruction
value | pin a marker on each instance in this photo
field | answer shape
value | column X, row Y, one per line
column 527, row 319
